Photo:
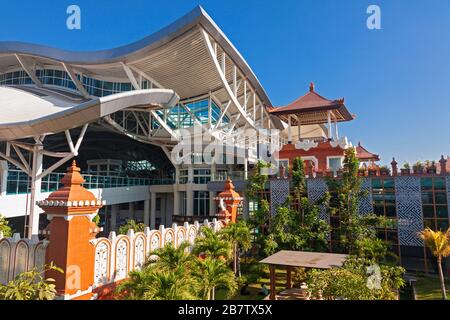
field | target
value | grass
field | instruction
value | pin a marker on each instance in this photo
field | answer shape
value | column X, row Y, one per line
column 429, row 288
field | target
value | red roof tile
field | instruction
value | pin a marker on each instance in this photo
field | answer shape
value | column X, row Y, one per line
column 313, row 102
column 363, row 154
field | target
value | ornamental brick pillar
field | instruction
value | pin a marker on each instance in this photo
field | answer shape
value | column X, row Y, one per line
column 228, row 202
column 70, row 211
column 443, row 163
column 394, row 167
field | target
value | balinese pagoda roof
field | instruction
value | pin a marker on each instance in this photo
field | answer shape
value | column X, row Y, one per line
column 312, row 108
column 363, row 154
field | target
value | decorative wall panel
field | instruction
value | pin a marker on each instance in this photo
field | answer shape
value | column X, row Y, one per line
column 409, row 210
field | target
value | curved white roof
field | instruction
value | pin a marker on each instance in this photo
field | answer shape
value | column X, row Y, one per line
column 176, row 48
column 29, row 111
column 179, row 57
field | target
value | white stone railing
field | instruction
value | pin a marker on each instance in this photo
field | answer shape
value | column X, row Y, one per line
column 117, row 255
column 18, row 255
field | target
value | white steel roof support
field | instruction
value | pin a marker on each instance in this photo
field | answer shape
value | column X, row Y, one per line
column 26, row 66
column 75, row 80
column 131, row 77
column 221, row 73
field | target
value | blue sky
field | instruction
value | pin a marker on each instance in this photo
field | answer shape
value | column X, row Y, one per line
column 396, row 80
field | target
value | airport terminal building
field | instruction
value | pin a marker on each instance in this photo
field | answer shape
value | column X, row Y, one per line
column 123, row 114
column 120, row 113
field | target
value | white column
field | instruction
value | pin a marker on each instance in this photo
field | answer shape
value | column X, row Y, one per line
column 176, row 193
column 3, row 177
column 336, row 133
column 152, row 210
column 131, row 211
column 299, row 127
column 147, row 212
column 289, row 129
column 330, row 136
column 113, row 221
column 189, row 200
column 245, row 168
column 212, row 204
column 213, row 171
column 33, row 222
column 190, row 174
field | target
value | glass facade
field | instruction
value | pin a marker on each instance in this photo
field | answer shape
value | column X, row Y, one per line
column 202, row 176
column 18, row 182
column 434, row 203
column 384, row 205
column 201, row 203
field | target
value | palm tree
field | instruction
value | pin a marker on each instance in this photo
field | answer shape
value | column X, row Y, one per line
column 170, row 258
column 164, row 278
column 169, row 285
column 239, row 236
column 438, row 243
column 211, row 273
column 211, row 244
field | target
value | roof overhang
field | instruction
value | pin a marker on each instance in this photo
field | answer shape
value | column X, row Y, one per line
column 30, row 111
column 315, row 115
column 175, row 57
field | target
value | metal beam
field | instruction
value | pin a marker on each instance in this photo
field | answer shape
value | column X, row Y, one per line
column 131, row 77
column 29, row 70
column 75, row 80
column 221, row 73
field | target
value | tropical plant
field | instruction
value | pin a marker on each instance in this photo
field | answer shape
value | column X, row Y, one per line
column 31, row 285
column 418, row 167
column 96, row 219
column 154, row 284
column 406, row 166
column 132, row 225
column 4, row 227
column 298, row 177
column 438, row 243
column 343, row 199
column 211, row 243
column 170, row 258
column 211, row 273
column 165, row 277
column 358, row 279
column 238, row 234
column 291, row 230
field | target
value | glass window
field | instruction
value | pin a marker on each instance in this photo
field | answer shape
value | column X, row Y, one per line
column 441, row 211
column 442, row 224
column 440, row 198
column 439, row 184
column 335, row 164
column 427, row 197
column 428, row 211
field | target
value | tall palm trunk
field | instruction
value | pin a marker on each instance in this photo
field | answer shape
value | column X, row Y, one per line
column 213, row 293
column 238, row 263
column 441, row 278
column 235, row 253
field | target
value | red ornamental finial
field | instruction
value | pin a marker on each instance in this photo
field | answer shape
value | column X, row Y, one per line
column 311, row 87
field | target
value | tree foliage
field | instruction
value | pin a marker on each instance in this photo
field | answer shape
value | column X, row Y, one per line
column 212, row 244
column 213, row 273
column 4, row 227
column 342, row 200
column 238, row 234
column 438, row 243
column 358, row 279
column 30, row 285
column 177, row 274
column 132, row 225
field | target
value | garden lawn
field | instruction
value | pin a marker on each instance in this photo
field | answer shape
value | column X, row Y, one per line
column 429, row 288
